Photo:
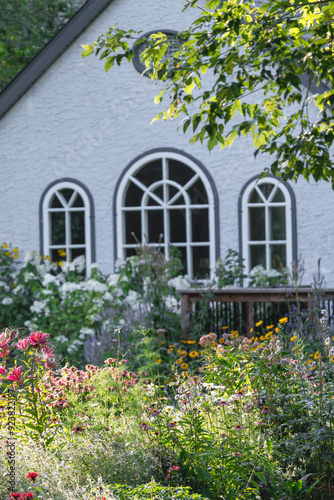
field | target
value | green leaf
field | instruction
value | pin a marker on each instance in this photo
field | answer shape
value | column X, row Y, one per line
column 88, row 50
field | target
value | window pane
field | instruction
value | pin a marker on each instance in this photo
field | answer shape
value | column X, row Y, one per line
column 133, row 195
column 201, row 262
column 277, row 256
column 129, row 252
column 159, row 193
column 277, row 223
column 78, row 201
column 266, row 189
column 150, row 173
column 200, row 224
column 76, row 252
column 57, row 228
column 179, row 172
column 279, row 197
column 55, row 203
column 67, row 193
column 177, row 221
column 183, row 257
column 77, row 227
column 55, row 257
column 155, row 225
column 132, row 225
column 257, row 223
column 198, row 194
column 257, row 256
column 255, row 197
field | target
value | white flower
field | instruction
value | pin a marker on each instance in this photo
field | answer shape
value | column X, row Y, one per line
column 113, row 279
column 80, row 263
column 180, row 283
column 107, row 296
column 28, row 276
column 94, row 286
column 69, row 287
column 49, row 278
column 39, row 306
column 87, row 331
column 32, row 257
column 61, row 338
column 7, row 301
column 132, row 299
column 171, row 303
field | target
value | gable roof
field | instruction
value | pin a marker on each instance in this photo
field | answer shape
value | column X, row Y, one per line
column 48, row 54
column 61, row 41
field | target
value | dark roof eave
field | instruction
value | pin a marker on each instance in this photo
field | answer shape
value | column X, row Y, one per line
column 50, row 53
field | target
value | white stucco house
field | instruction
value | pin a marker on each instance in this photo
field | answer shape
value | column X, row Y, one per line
column 82, row 168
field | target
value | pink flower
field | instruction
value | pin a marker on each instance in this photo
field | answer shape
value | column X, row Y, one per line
column 38, row 339
column 3, row 370
column 4, row 352
column 15, row 375
column 167, row 477
column 23, row 344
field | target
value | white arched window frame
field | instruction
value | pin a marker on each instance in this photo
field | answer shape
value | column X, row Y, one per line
column 267, row 224
column 66, row 210
column 164, row 202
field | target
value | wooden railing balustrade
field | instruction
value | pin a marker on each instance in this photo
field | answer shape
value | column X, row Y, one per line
column 241, row 308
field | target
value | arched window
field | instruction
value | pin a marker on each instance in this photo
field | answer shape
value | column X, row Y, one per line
column 67, row 222
column 166, row 199
column 268, row 224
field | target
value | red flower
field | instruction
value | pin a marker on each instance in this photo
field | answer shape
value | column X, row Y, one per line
column 23, row 344
column 265, row 410
column 28, row 495
column 38, row 339
column 15, row 375
column 32, row 476
column 15, row 495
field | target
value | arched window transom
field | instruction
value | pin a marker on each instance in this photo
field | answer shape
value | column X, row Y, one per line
column 166, row 200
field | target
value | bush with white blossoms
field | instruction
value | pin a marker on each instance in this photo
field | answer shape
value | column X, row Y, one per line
column 81, row 314
column 266, row 277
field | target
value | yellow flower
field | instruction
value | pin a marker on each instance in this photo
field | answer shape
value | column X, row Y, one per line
column 159, row 361
column 276, row 329
column 270, row 333
column 256, row 339
column 185, row 374
column 4, row 245
column 262, row 337
column 179, row 361
column 191, row 341
column 251, row 330
column 283, row 320
column 60, row 263
column 317, row 355
column 221, row 341
column 47, row 257
column 16, row 250
column 16, row 255
column 259, row 323
column 293, row 338
column 14, row 285
column 193, row 354
column 311, row 355
column 252, row 338
column 184, row 366
column 294, row 348
column 308, row 361
column 7, row 253
column 269, row 327
column 224, row 327
column 162, row 343
column 62, row 252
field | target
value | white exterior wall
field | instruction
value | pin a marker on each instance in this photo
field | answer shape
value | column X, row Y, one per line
column 76, row 121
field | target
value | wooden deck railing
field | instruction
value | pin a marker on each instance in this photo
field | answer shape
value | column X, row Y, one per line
column 246, row 305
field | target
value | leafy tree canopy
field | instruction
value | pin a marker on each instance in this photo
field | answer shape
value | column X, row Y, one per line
column 25, row 27
column 238, row 72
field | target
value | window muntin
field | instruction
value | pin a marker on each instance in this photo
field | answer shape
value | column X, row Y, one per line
column 66, row 221
column 165, row 199
column 174, row 44
column 267, row 224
